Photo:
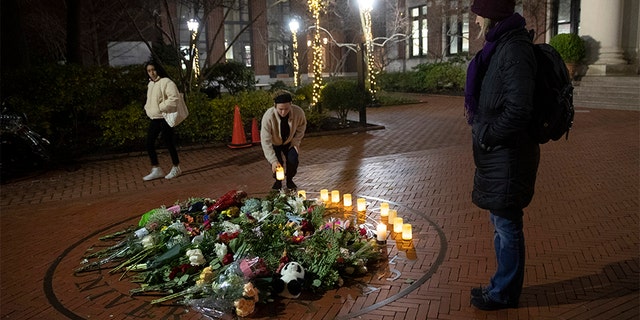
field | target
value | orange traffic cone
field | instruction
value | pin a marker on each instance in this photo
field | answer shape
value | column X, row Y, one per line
column 255, row 133
column 238, row 139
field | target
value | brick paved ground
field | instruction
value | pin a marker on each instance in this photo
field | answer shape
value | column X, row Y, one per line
column 582, row 228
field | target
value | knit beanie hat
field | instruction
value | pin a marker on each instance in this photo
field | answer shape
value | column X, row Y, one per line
column 497, row 10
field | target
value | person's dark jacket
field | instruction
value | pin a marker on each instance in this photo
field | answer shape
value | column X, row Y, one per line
column 505, row 155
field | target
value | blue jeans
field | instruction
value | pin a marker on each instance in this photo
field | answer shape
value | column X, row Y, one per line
column 508, row 239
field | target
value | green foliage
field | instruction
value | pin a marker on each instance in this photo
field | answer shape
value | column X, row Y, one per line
column 62, row 102
column 124, row 127
column 232, row 75
column 342, row 96
column 400, row 81
column 570, row 47
column 427, row 77
column 441, row 76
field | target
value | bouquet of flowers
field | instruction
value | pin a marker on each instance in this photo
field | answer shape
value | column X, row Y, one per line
column 218, row 256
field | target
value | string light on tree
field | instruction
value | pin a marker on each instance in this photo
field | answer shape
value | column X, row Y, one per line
column 316, row 7
column 193, row 25
column 293, row 26
column 365, row 16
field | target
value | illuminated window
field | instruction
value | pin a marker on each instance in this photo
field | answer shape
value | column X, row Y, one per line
column 419, row 32
column 566, row 14
column 457, row 34
column 236, row 34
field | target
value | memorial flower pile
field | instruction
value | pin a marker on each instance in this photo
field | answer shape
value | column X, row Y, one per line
column 221, row 256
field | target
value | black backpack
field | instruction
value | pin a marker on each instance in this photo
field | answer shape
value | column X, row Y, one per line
column 553, row 100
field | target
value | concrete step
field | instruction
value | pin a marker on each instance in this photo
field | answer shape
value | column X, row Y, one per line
column 611, row 92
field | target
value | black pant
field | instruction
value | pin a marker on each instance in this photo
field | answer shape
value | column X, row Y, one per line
column 290, row 157
column 156, row 127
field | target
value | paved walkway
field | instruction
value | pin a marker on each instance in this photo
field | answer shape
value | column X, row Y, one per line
column 582, row 228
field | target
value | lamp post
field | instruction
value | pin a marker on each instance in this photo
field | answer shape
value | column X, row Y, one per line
column 193, row 25
column 293, row 26
column 365, row 16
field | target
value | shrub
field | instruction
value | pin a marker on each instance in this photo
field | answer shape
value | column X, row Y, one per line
column 400, row 81
column 232, row 75
column 570, row 47
column 342, row 96
column 441, row 76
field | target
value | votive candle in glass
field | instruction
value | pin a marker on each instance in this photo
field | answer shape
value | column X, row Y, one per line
column 397, row 225
column 324, row 195
column 381, row 232
column 393, row 213
column 302, row 194
column 406, row 232
column 280, row 173
column 347, row 200
column 384, row 209
column 362, row 204
column 335, row 196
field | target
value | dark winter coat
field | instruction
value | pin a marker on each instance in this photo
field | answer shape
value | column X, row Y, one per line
column 506, row 157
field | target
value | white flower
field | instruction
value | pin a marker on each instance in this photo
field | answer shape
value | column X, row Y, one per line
column 297, row 205
column 198, row 239
column 147, row 241
column 230, row 227
column 221, row 250
column 195, row 257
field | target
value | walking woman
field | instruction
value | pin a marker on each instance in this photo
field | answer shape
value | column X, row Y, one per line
column 162, row 97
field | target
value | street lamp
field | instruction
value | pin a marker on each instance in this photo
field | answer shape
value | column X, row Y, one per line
column 193, row 26
column 365, row 16
column 293, row 26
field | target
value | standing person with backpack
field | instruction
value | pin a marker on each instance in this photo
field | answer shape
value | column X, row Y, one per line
column 498, row 105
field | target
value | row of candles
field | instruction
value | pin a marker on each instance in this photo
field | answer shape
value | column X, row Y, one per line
column 391, row 215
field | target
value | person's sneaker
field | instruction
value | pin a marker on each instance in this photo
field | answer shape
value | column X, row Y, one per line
column 291, row 185
column 277, row 185
column 175, row 171
column 156, row 172
column 483, row 302
column 478, row 292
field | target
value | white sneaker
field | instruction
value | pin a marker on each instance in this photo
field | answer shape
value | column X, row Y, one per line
column 156, row 172
column 175, row 171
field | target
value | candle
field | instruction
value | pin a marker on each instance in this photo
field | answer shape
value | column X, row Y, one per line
column 324, row 195
column 393, row 213
column 384, row 209
column 406, row 231
column 347, row 200
column 397, row 225
column 362, row 204
column 335, row 196
column 280, row 173
column 381, row 232
column 302, row 194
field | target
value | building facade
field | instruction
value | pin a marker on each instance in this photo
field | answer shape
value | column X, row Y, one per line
column 256, row 32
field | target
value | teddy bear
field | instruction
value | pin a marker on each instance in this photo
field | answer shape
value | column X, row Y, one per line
column 290, row 282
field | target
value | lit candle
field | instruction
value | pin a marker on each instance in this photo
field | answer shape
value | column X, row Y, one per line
column 280, row 173
column 384, row 209
column 393, row 213
column 381, row 232
column 406, row 231
column 335, row 196
column 347, row 200
column 324, row 195
column 397, row 225
column 362, row 204
column 302, row 194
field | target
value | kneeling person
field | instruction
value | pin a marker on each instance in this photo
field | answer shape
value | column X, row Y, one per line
column 282, row 130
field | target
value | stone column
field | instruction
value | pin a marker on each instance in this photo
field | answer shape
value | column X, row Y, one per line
column 601, row 26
